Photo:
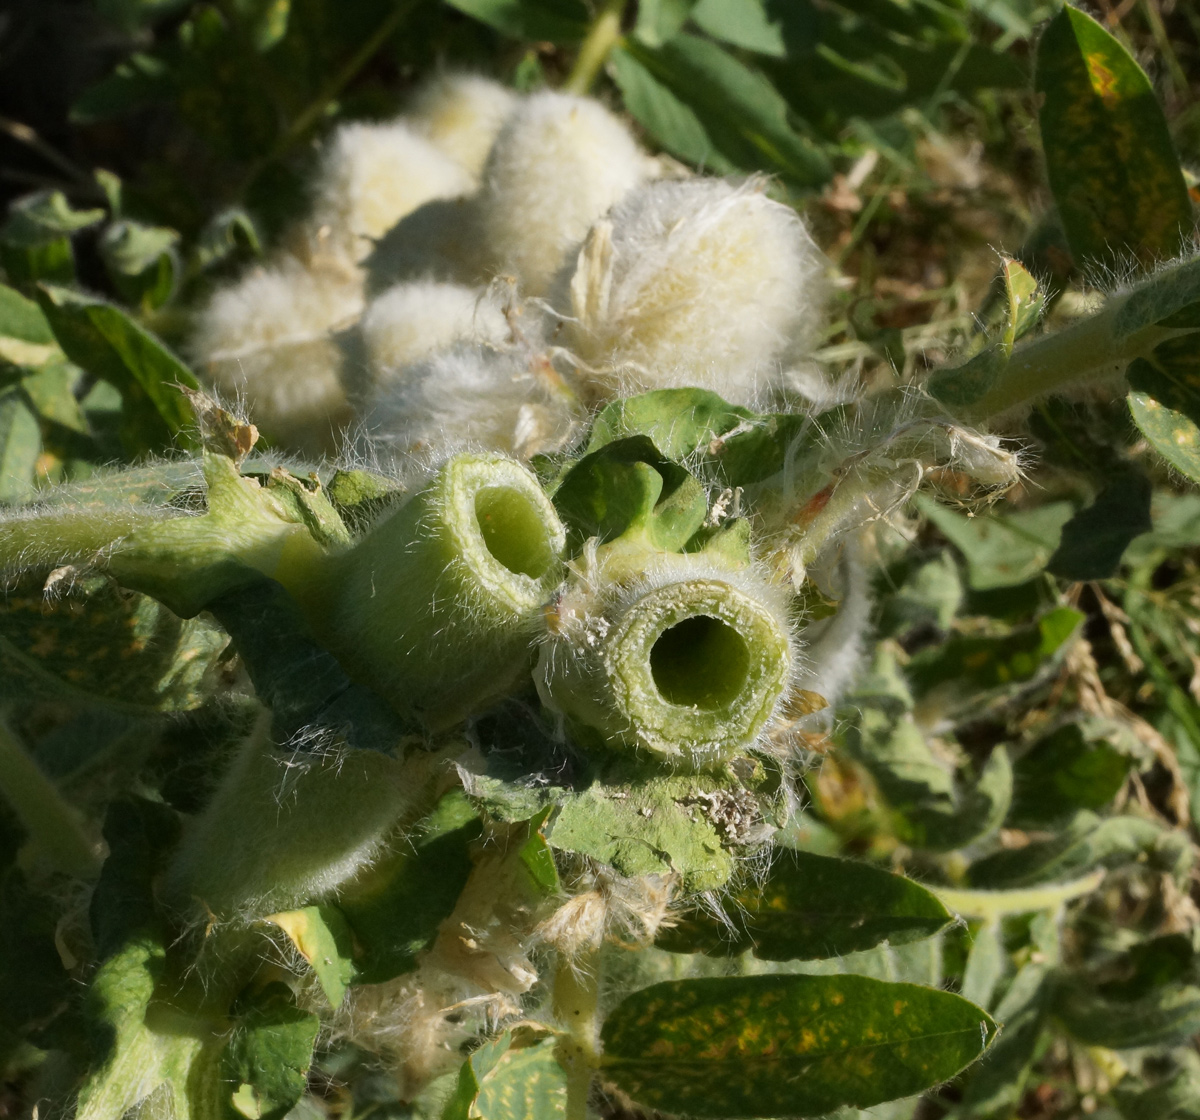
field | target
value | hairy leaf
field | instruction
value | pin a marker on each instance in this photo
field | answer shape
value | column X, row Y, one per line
column 514, row 1077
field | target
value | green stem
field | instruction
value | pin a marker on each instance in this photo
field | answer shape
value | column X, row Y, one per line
column 52, row 824
column 576, row 996
column 602, row 36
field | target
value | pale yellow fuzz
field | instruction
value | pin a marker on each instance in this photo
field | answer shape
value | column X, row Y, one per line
column 701, row 283
column 266, row 339
column 372, row 175
column 410, row 321
column 558, row 164
column 461, row 115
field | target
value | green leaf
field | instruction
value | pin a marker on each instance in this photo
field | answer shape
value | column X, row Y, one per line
column 627, row 487
column 1095, row 538
column 322, row 937
column 669, row 121
column 741, row 23
column 659, row 20
column 135, row 1061
column 20, row 445
column 43, row 217
column 264, row 1066
column 786, row 1045
column 1001, row 549
column 514, row 1077
column 742, row 113
column 655, row 826
column 1168, row 1016
column 677, row 421
column 1170, row 433
column 396, row 906
column 1074, row 767
column 999, row 1080
column 138, row 81
column 555, row 21
column 1109, row 157
column 1171, row 375
column 809, row 907
column 228, row 233
column 142, row 261
column 993, row 662
column 986, row 964
column 1087, row 842
column 22, row 319
column 103, row 340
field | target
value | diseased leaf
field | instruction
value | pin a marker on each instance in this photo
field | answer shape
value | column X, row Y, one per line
column 811, row 906
column 1171, row 375
column 1170, row 433
column 514, row 1077
column 322, row 937
column 1095, row 538
column 786, row 1045
column 1109, row 156
column 103, row 340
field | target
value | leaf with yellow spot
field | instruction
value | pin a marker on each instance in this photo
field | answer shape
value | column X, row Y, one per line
column 514, row 1077
column 810, row 907
column 786, row 1045
column 1109, row 157
column 1170, row 433
column 322, row 937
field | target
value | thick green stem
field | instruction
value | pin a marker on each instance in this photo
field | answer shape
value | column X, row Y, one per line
column 602, row 36
column 52, row 824
column 576, row 995
column 687, row 664
column 436, row 607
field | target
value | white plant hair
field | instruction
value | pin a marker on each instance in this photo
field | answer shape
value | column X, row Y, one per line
column 372, row 175
column 266, row 339
column 410, row 321
column 461, row 114
column 471, row 397
column 558, row 164
column 702, row 283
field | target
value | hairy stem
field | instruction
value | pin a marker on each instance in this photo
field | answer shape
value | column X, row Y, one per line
column 576, row 994
column 602, row 36
column 53, row 825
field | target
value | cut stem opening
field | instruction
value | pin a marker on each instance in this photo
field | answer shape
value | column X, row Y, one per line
column 700, row 662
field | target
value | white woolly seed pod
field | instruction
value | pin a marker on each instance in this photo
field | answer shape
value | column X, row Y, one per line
column 558, row 164
column 410, row 321
column 267, row 338
column 372, row 175
column 701, row 283
column 461, row 114
column 471, row 396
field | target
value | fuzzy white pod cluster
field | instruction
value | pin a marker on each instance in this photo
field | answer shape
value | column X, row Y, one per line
column 471, row 396
column 266, row 339
column 461, row 114
column 410, row 321
column 372, row 175
column 558, row 164
column 697, row 283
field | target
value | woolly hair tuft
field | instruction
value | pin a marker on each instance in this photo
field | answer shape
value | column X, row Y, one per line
column 558, row 164
column 698, row 283
column 471, row 396
column 266, row 339
column 372, row 175
column 461, row 115
column 410, row 321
